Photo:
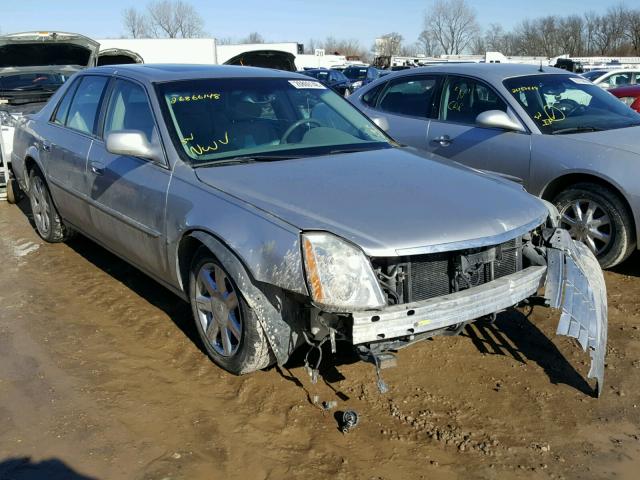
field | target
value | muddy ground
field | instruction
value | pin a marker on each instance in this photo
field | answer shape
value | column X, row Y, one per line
column 101, row 377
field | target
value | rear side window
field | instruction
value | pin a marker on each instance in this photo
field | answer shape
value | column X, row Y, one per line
column 463, row 99
column 84, row 108
column 409, row 96
column 129, row 110
column 60, row 116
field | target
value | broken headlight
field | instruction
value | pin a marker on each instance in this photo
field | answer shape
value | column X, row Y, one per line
column 339, row 274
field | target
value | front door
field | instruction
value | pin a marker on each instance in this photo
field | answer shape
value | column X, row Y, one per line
column 128, row 194
column 455, row 135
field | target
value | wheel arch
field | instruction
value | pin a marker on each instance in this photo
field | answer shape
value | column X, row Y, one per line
column 553, row 189
column 266, row 303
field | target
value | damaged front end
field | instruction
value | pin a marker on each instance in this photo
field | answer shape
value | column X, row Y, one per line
column 439, row 293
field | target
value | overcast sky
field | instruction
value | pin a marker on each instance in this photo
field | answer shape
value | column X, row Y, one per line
column 278, row 20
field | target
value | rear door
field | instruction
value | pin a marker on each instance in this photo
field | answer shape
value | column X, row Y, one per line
column 67, row 139
column 455, row 135
column 404, row 106
column 128, row 194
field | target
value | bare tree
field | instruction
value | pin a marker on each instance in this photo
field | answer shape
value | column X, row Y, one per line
column 389, row 44
column 174, row 19
column 427, row 44
column 135, row 24
column 453, row 24
column 253, row 37
column 631, row 29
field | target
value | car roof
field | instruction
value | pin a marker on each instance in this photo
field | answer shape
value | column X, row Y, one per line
column 493, row 72
column 151, row 73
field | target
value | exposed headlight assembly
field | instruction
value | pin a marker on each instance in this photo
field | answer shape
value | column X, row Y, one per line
column 339, row 274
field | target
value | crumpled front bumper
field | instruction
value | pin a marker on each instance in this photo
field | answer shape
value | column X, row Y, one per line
column 572, row 281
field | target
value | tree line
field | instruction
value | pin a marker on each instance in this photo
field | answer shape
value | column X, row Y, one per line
column 450, row 27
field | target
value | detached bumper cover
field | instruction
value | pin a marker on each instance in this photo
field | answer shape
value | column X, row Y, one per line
column 575, row 284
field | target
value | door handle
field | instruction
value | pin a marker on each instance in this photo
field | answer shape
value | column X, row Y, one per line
column 443, row 140
column 96, row 168
column 46, row 146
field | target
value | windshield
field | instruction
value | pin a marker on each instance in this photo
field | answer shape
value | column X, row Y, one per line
column 355, row 73
column 216, row 119
column 593, row 74
column 32, row 81
column 569, row 104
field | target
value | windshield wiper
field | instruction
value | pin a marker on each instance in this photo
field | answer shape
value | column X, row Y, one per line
column 583, row 128
column 245, row 159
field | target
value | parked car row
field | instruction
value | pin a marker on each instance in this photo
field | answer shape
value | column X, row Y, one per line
column 286, row 217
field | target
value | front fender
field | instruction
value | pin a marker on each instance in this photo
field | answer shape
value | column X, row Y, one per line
column 269, row 309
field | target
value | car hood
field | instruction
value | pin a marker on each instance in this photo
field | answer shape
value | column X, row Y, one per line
column 32, row 49
column 627, row 139
column 390, row 201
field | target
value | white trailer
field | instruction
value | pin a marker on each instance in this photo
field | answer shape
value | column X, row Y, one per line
column 167, row 50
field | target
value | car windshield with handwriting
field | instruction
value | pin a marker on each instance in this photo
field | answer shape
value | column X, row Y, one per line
column 245, row 118
column 564, row 104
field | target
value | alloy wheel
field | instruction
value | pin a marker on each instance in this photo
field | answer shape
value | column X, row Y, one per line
column 40, row 206
column 218, row 310
column 588, row 222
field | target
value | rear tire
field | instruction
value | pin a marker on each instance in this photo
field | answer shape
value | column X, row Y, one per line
column 227, row 326
column 597, row 216
column 13, row 191
column 48, row 223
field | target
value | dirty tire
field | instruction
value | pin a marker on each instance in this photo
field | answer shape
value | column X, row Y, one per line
column 13, row 191
column 48, row 223
column 622, row 241
column 246, row 354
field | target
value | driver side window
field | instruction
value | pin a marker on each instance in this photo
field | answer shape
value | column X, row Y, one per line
column 129, row 110
column 463, row 99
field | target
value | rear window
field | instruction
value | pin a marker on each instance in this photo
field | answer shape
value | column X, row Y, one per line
column 83, row 111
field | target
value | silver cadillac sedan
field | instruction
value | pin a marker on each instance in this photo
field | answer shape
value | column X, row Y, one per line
column 555, row 132
column 287, row 218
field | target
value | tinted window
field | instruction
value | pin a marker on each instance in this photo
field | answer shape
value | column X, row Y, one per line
column 129, row 110
column 409, row 96
column 463, row 99
column 84, row 107
column 60, row 116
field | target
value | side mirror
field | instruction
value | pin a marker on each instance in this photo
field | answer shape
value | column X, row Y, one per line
column 605, row 85
column 498, row 119
column 132, row 143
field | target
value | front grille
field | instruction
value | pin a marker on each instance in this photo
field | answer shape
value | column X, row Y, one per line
column 420, row 277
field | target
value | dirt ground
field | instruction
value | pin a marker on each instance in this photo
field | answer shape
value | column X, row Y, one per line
column 101, row 377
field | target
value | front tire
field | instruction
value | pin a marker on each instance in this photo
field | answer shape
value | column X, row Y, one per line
column 13, row 191
column 227, row 326
column 598, row 217
column 48, row 223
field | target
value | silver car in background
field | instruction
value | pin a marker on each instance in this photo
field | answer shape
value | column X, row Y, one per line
column 285, row 217
column 556, row 133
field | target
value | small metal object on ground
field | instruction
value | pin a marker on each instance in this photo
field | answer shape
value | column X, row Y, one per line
column 349, row 421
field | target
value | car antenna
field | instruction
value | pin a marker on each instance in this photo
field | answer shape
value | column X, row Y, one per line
column 540, row 69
